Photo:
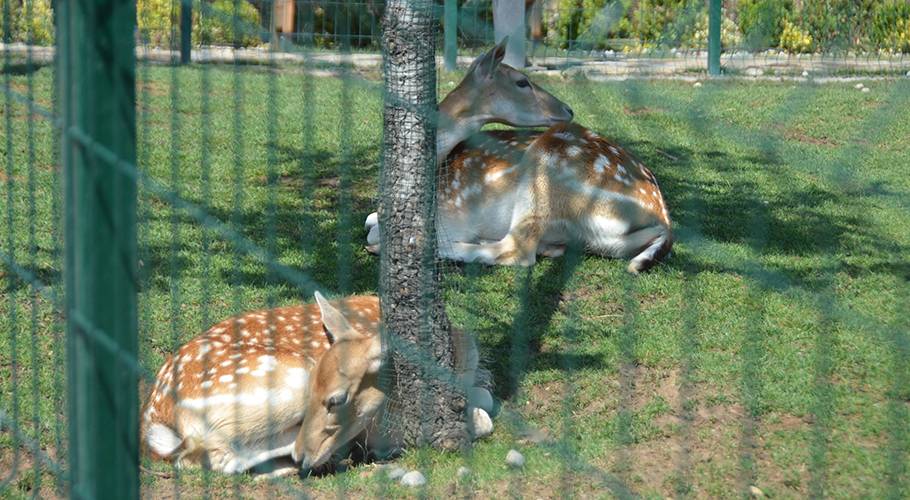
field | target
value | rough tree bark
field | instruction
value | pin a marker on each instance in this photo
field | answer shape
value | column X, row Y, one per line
column 413, row 311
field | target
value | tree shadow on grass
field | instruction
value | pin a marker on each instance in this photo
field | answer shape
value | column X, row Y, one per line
column 810, row 228
column 20, row 68
column 786, row 216
column 316, row 222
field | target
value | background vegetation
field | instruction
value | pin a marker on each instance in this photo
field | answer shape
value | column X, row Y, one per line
column 795, row 26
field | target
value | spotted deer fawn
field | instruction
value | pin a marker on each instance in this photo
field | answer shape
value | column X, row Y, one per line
column 297, row 382
column 504, row 197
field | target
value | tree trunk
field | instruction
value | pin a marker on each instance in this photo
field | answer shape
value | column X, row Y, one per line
column 509, row 20
column 534, row 9
column 414, row 317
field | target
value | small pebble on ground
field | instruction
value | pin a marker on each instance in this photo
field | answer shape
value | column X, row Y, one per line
column 805, row 74
column 413, row 479
column 696, row 84
column 515, row 459
column 755, row 492
column 395, row 473
column 858, row 86
column 866, row 89
column 463, row 471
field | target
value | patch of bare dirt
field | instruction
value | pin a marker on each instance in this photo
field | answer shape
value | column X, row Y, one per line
column 641, row 111
column 544, row 399
column 152, row 87
column 5, row 178
column 700, row 445
column 799, row 136
column 18, row 475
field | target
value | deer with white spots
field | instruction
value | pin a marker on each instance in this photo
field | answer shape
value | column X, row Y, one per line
column 294, row 382
column 504, row 197
column 519, row 194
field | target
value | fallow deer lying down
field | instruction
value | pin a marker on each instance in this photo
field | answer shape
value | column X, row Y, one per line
column 297, row 382
column 518, row 194
column 505, row 196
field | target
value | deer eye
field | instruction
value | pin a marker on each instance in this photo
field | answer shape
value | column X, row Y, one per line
column 336, row 400
column 523, row 83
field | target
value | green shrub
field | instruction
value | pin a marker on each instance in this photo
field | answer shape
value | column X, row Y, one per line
column 730, row 36
column 221, row 24
column 761, row 21
column 795, row 40
column 319, row 18
column 157, row 21
column 837, row 24
column 213, row 23
column 650, row 22
column 575, row 19
column 891, row 26
column 41, row 24
column 37, row 29
column 653, row 20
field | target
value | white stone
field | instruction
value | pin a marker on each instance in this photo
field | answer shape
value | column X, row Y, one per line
column 696, row 84
column 858, row 86
column 413, row 479
column 805, row 74
column 482, row 423
column 395, row 473
column 866, row 89
column 515, row 459
column 463, row 472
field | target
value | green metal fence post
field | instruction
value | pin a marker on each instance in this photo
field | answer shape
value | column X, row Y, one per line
column 450, row 22
column 96, row 57
column 714, row 38
column 186, row 30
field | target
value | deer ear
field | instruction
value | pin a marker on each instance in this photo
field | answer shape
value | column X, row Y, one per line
column 334, row 322
column 485, row 65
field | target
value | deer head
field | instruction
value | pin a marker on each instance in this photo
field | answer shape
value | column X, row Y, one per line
column 344, row 389
column 493, row 92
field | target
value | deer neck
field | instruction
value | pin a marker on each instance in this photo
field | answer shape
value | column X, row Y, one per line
column 453, row 129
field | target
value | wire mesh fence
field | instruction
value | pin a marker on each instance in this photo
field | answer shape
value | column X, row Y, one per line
column 767, row 355
column 769, row 38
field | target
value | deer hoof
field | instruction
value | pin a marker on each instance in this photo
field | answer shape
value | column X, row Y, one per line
column 372, row 220
column 553, row 251
column 373, row 249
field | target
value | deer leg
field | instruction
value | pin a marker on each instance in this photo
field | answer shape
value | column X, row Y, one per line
column 655, row 249
column 550, row 250
column 282, row 467
column 519, row 246
column 372, row 227
column 280, row 446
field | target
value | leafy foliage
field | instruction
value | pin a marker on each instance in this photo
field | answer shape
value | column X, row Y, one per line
column 795, row 40
column 891, row 26
column 215, row 22
column 32, row 21
column 761, row 21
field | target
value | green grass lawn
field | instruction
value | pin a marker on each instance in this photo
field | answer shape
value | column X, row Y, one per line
column 769, row 350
